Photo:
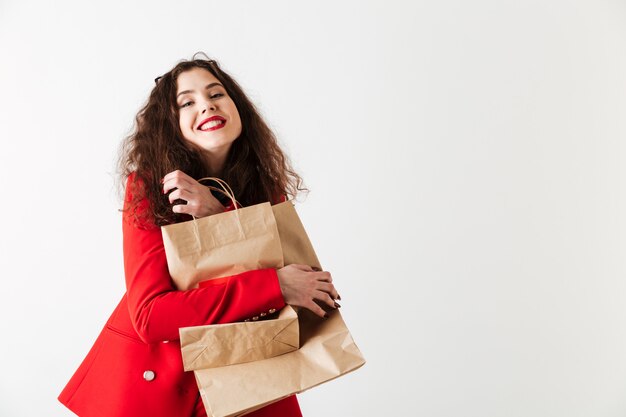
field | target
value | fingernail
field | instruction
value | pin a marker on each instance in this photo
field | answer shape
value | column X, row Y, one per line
column 326, row 315
column 338, row 297
column 337, row 305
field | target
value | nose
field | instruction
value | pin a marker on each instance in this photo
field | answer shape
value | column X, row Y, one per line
column 209, row 106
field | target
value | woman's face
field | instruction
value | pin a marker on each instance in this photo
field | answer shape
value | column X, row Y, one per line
column 208, row 116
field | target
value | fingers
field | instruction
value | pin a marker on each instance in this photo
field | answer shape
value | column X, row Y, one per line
column 328, row 289
column 175, row 174
column 185, row 195
column 180, row 193
column 188, row 208
column 302, row 267
column 311, row 305
column 320, row 276
column 177, row 179
column 176, row 183
column 324, row 276
column 302, row 286
column 325, row 298
column 322, row 280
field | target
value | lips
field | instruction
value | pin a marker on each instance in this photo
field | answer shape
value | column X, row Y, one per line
column 202, row 126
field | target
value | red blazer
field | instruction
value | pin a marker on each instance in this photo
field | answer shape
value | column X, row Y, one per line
column 134, row 368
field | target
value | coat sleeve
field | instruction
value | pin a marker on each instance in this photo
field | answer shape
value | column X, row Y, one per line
column 158, row 310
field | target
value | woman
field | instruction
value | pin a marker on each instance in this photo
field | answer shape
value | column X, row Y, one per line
column 197, row 122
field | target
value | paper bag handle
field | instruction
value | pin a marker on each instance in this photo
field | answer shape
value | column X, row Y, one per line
column 223, row 183
column 230, row 194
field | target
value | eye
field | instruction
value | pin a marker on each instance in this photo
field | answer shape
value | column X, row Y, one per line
column 217, row 95
column 186, row 104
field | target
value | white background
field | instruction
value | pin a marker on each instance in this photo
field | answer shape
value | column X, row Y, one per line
column 466, row 167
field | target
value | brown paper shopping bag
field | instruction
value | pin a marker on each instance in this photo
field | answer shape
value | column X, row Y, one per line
column 326, row 352
column 295, row 243
column 223, row 244
column 233, row 343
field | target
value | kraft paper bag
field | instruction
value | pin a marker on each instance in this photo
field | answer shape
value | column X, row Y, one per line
column 327, row 352
column 295, row 243
column 327, row 349
column 228, row 344
column 222, row 245
column 232, row 385
column 206, row 250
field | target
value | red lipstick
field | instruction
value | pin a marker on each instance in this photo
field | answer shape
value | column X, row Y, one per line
column 214, row 127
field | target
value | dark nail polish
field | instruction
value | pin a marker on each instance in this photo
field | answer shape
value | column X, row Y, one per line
column 326, row 315
column 338, row 297
column 337, row 305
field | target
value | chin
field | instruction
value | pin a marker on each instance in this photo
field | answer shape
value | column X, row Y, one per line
column 216, row 146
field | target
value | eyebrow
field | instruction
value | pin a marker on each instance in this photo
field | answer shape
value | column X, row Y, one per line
column 191, row 91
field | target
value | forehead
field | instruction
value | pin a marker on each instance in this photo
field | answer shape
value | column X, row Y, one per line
column 194, row 79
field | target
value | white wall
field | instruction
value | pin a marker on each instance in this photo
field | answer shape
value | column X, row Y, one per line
column 467, row 176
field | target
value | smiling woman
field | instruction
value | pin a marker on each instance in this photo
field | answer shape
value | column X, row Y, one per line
column 208, row 116
column 171, row 135
column 197, row 122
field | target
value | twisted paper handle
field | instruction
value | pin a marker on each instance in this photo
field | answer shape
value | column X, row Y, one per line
column 230, row 194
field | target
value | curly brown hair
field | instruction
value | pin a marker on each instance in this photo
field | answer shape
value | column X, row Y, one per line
column 256, row 168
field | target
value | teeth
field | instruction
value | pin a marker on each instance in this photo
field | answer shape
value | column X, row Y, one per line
column 211, row 124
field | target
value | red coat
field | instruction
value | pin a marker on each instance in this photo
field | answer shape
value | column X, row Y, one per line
column 134, row 368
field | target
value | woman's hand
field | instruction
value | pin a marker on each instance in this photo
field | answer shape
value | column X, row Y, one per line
column 200, row 201
column 301, row 285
